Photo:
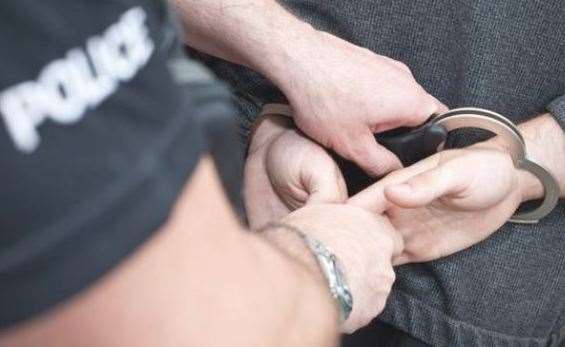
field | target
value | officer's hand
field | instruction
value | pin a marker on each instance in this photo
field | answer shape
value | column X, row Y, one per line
column 364, row 243
column 285, row 171
column 341, row 94
column 447, row 202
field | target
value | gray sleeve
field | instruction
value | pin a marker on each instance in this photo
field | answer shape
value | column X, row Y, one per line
column 557, row 109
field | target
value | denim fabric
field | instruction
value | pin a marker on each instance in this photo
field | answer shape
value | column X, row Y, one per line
column 507, row 56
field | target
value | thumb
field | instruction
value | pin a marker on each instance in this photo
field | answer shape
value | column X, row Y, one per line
column 327, row 186
column 364, row 151
column 421, row 189
column 371, row 199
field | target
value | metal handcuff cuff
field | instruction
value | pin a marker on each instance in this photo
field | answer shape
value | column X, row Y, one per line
column 414, row 144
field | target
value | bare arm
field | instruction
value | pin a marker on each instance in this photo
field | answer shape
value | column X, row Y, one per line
column 341, row 93
column 256, row 33
column 545, row 141
column 200, row 281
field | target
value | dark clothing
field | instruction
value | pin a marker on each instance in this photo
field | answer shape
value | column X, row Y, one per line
column 97, row 141
column 506, row 56
column 379, row 334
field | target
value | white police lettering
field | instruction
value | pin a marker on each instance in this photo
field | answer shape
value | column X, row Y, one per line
column 66, row 88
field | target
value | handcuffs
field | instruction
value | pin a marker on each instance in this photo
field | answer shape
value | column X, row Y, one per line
column 411, row 145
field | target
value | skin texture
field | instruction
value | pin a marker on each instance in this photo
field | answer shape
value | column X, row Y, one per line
column 197, row 276
column 341, row 93
column 365, row 250
column 285, row 170
column 439, row 205
column 349, row 93
column 186, row 276
column 457, row 198
column 179, row 270
column 272, row 191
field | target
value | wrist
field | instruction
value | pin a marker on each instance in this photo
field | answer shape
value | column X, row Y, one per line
column 293, row 245
column 545, row 144
column 265, row 130
column 529, row 186
column 303, row 295
column 322, row 259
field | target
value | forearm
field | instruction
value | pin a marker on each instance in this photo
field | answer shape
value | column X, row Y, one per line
column 310, row 314
column 201, row 281
column 256, row 33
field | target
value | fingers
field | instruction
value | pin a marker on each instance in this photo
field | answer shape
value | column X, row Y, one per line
column 428, row 103
column 373, row 158
column 427, row 106
column 302, row 172
column 265, row 130
column 439, row 106
column 262, row 204
column 373, row 198
column 327, row 187
column 423, row 188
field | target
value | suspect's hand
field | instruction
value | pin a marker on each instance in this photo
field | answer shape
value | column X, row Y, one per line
column 285, row 171
column 447, row 202
column 342, row 94
column 364, row 243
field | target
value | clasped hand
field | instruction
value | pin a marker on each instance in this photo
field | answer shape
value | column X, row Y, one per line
column 436, row 207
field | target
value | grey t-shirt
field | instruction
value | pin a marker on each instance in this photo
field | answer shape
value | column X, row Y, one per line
column 506, row 56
